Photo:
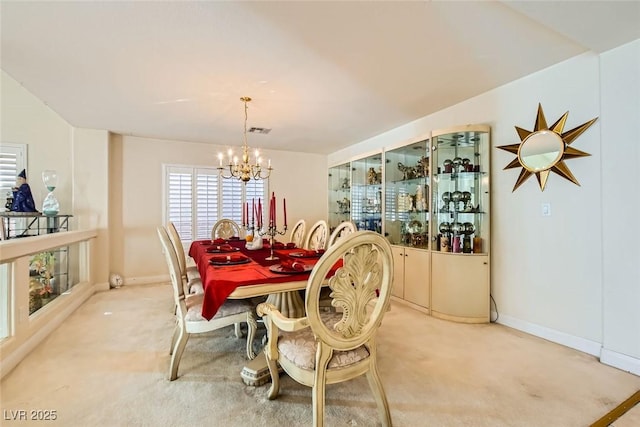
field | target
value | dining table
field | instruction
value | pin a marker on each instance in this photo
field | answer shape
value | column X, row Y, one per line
column 230, row 270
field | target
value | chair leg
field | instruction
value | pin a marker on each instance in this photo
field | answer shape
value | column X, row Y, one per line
column 252, row 325
column 174, row 338
column 275, row 378
column 319, row 384
column 378, row 394
column 238, row 330
column 177, row 353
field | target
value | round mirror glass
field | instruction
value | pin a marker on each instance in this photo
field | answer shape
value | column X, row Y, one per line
column 541, row 150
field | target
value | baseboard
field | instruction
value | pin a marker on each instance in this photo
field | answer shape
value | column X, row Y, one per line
column 50, row 317
column 401, row 301
column 146, row 280
column 620, row 361
column 101, row 287
column 586, row 346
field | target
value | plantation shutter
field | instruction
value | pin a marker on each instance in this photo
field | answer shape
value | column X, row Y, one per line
column 206, row 203
column 232, row 200
column 197, row 197
column 180, row 201
column 13, row 158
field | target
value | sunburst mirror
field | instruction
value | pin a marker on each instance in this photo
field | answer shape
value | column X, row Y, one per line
column 545, row 150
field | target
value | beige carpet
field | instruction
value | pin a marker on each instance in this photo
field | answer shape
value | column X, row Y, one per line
column 107, row 366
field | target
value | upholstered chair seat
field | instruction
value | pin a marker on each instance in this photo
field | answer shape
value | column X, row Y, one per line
column 300, row 347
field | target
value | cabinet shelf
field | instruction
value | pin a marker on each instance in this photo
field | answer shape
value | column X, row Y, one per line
column 456, row 175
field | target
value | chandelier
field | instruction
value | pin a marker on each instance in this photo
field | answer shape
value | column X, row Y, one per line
column 242, row 169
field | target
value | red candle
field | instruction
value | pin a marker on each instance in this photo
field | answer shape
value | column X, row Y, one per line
column 246, row 215
column 259, row 214
column 253, row 211
column 273, row 197
column 284, row 209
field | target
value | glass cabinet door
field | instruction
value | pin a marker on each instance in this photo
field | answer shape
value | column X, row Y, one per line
column 406, row 217
column 339, row 195
column 366, row 193
column 460, row 194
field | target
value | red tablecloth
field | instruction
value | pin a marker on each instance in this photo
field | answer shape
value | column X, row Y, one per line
column 220, row 281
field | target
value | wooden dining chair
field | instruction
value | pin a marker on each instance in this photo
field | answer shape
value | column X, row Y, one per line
column 317, row 236
column 297, row 233
column 343, row 229
column 225, row 229
column 331, row 347
column 190, row 275
column 189, row 318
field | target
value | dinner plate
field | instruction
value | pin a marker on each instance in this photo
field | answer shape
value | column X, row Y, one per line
column 304, row 255
column 221, row 251
column 229, row 262
column 278, row 269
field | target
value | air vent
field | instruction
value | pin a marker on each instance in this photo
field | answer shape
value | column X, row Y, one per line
column 259, row 130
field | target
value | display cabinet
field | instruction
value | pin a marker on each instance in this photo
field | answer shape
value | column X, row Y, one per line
column 411, row 280
column 406, row 216
column 339, row 195
column 406, row 219
column 366, row 193
column 460, row 208
column 431, row 200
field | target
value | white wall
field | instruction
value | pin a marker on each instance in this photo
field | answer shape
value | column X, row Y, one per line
column 25, row 119
column 298, row 177
column 90, row 154
column 547, row 272
column 620, row 164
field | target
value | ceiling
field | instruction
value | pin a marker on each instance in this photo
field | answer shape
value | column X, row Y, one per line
column 322, row 74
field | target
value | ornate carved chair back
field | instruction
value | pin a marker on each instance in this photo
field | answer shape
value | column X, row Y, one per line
column 297, row 233
column 343, row 229
column 225, row 229
column 317, row 237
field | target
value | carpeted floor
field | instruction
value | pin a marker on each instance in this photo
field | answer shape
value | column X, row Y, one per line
column 107, row 366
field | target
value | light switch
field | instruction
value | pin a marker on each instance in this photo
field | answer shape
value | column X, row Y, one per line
column 546, row 209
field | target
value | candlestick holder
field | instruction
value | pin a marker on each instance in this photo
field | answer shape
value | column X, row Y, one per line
column 249, row 228
column 272, row 232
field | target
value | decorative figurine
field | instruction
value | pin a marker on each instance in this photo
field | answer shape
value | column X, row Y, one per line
column 9, row 202
column 421, row 201
column 50, row 206
column 345, row 183
column 344, row 205
column 373, row 177
column 407, row 172
column 423, row 167
column 22, row 198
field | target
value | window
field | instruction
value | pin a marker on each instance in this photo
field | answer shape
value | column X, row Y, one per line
column 197, row 197
column 13, row 158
